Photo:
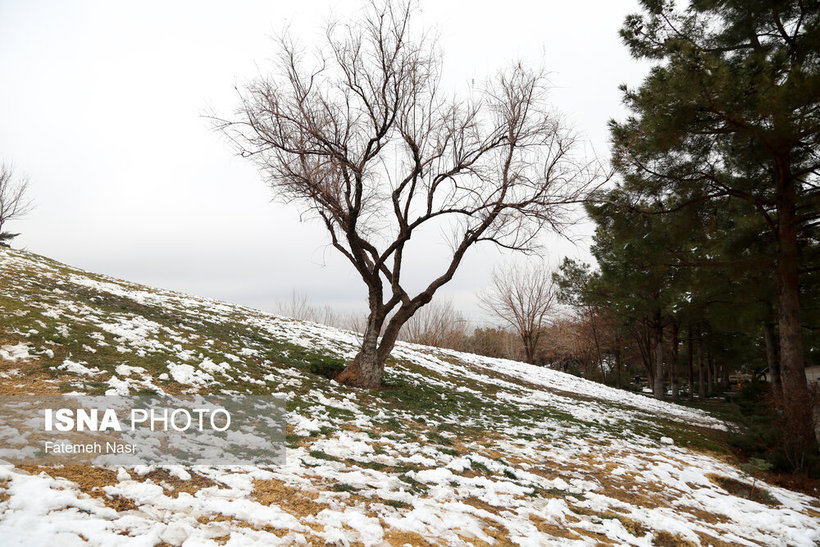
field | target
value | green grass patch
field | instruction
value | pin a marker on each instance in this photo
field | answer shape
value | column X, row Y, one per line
column 397, row 504
column 320, row 455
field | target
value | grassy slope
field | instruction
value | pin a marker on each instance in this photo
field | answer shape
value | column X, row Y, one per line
column 457, row 448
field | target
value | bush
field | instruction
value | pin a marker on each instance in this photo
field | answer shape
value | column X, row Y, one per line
column 766, row 434
column 327, row 367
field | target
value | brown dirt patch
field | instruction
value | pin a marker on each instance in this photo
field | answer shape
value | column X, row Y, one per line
column 553, row 529
column 649, row 496
column 703, row 516
column 297, row 502
column 499, row 537
column 545, row 472
column 173, row 486
column 397, row 537
column 31, row 380
column 4, row 495
column 90, row 480
column 242, row 524
column 706, row 539
column 471, row 474
column 480, row 504
column 633, row 527
column 492, row 454
column 619, row 487
column 599, row 538
column 665, row 539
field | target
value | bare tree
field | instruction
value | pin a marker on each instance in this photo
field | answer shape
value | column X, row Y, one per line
column 494, row 342
column 298, row 307
column 13, row 201
column 364, row 138
column 436, row 324
column 567, row 347
column 525, row 297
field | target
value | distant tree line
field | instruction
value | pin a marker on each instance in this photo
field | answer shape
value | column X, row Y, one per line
column 708, row 247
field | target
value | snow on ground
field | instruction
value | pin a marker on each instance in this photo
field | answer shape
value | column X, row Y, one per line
column 459, row 449
column 15, row 352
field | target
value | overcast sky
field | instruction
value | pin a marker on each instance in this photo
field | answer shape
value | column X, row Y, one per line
column 102, row 108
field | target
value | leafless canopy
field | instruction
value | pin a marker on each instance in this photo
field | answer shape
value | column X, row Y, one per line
column 525, row 297
column 437, row 324
column 13, row 200
column 362, row 136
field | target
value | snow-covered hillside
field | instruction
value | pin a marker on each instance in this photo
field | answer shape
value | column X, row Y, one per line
column 457, row 449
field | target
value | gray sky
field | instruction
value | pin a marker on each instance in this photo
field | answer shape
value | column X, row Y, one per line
column 101, row 107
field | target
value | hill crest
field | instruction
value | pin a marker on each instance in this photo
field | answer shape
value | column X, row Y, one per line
column 457, row 449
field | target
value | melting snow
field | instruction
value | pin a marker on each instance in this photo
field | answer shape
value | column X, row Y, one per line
column 519, row 453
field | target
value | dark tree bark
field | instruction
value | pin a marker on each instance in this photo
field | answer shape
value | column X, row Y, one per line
column 724, row 376
column 643, row 338
column 599, row 357
column 690, row 360
column 673, row 365
column 701, row 372
column 772, row 359
column 792, row 359
column 710, row 373
column 658, row 383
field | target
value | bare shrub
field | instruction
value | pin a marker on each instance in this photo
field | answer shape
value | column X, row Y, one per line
column 525, row 297
column 13, row 200
column 437, row 324
column 791, row 416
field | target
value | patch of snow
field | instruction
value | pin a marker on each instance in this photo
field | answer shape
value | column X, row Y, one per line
column 78, row 368
column 16, row 352
column 186, row 374
column 118, row 387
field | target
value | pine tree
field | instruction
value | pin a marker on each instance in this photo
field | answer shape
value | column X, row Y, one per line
column 732, row 110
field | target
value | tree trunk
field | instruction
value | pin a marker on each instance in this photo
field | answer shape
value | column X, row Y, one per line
column 690, row 361
column 673, row 371
column 367, row 368
column 710, row 375
column 529, row 347
column 796, row 401
column 598, row 355
column 724, row 368
column 643, row 338
column 771, row 358
column 701, row 379
column 658, row 386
